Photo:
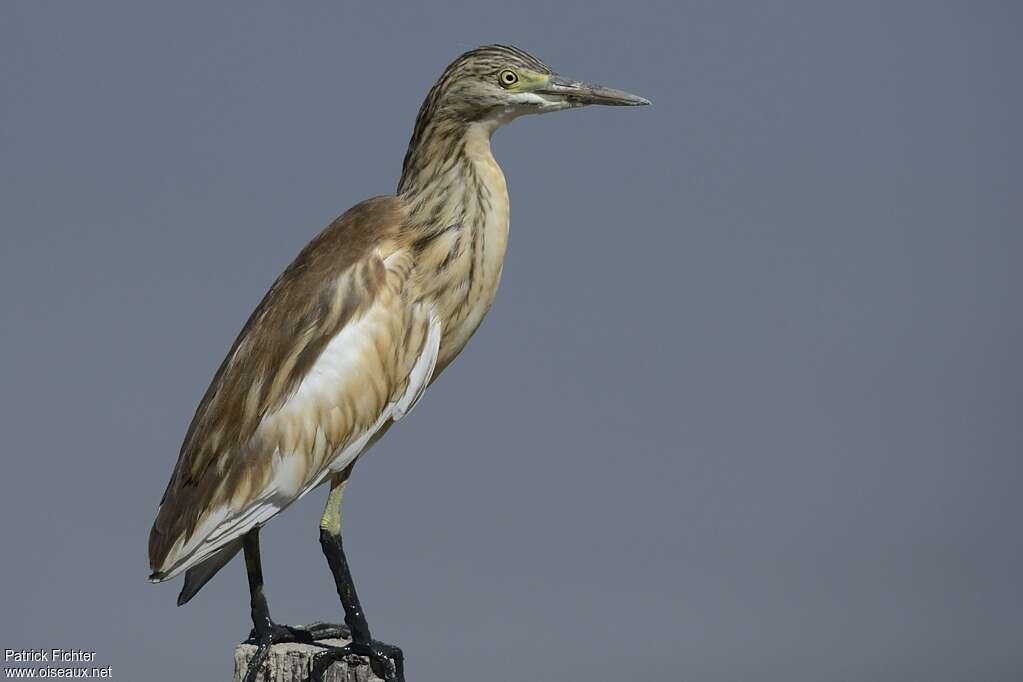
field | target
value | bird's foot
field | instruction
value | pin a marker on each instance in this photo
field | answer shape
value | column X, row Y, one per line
column 302, row 633
column 386, row 660
column 276, row 634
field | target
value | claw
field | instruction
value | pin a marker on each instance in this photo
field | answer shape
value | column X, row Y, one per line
column 277, row 634
column 256, row 662
column 305, row 634
column 386, row 661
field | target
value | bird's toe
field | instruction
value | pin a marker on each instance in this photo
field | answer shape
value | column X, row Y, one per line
column 277, row 633
column 386, row 660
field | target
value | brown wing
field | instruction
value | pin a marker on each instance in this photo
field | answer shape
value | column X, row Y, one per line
column 275, row 413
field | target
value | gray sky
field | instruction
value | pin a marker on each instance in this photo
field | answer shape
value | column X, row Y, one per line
column 748, row 403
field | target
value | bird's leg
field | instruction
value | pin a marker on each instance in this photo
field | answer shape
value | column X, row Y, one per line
column 387, row 661
column 265, row 633
column 330, row 541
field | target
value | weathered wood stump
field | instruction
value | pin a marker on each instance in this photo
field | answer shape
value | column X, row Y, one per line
column 305, row 662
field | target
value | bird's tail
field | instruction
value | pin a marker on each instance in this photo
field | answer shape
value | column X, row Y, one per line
column 201, row 573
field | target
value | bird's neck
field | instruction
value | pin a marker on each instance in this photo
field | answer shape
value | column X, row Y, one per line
column 439, row 150
column 450, row 180
column 456, row 205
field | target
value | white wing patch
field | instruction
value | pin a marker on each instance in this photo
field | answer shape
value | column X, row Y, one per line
column 422, row 371
column 287, row 484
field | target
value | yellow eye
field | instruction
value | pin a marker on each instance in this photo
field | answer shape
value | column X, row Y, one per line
column 508, row 78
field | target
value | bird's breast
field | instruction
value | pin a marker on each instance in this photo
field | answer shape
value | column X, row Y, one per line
column 467, row 301
column 463, row 268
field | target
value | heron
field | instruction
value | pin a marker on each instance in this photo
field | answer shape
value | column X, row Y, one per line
column 348, row 338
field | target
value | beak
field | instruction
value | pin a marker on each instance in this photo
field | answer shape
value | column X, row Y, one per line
column 580, row 94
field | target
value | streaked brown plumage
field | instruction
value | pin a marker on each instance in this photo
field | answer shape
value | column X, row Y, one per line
column 226, row 457
column 352, row 332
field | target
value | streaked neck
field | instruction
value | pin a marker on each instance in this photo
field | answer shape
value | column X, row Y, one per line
column 449, row 170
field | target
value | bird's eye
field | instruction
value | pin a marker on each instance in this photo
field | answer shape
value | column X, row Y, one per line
column 508, row 78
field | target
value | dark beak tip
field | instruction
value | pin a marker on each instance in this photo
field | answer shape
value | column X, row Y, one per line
column 629, row 100
column 632, row 101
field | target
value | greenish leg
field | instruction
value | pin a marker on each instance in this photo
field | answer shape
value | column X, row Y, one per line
column 387, row 660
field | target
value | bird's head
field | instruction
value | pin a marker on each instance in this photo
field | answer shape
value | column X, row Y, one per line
column 482, row 90
column 497, row 83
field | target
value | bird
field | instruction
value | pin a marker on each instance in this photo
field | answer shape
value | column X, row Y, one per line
column 348, row 338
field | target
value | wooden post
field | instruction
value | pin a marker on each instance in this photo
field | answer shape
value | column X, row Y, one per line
column 297, row 662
